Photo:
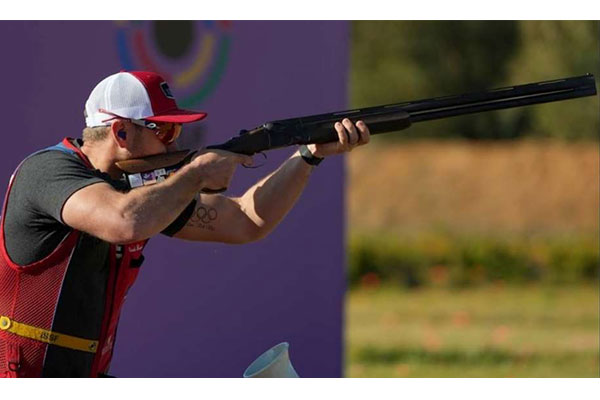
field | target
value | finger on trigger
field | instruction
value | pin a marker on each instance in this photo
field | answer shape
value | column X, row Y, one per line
column 245, row 160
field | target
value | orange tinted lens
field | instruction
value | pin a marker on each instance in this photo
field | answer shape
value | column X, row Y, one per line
column 168, row 132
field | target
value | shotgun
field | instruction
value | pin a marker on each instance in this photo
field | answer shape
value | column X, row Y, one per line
column 380, row 119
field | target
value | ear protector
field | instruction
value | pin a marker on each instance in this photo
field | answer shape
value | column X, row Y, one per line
column 122, row 134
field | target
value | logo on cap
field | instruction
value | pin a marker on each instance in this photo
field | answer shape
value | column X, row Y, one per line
column 166, row 90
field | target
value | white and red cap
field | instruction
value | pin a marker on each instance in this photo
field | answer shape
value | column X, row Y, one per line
column 137, row 95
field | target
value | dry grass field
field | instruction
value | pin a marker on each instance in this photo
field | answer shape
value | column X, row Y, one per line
column 500, row 331
column 479, row 192
column 518, row 187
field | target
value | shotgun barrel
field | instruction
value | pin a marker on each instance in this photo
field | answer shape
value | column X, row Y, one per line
column 394, row 117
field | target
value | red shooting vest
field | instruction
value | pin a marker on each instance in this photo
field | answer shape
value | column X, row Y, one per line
column 75, row 294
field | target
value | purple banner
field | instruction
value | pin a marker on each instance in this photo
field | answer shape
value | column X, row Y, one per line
column 203, row 309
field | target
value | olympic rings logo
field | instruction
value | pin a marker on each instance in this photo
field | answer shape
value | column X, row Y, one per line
column 204, row 215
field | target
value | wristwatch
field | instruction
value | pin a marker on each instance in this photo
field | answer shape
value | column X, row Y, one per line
column 308, row 156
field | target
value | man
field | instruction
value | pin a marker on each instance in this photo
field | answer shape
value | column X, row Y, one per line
column 72, row 235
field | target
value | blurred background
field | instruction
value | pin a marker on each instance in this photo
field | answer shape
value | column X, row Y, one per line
column 468, row 247
column 473, row 241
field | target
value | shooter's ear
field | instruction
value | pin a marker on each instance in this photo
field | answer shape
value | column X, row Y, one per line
column 118, row 133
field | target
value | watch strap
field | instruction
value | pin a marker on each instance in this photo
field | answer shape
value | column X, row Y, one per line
column 308, row 156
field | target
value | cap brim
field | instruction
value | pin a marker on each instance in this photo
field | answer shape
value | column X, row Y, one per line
column 178, row 116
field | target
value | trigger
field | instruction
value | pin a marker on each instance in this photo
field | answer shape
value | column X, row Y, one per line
column 262, row 153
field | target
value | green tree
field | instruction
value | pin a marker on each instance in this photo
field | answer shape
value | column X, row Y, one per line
column 551, row 49
column 395, row 61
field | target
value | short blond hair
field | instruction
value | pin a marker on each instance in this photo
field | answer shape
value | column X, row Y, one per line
column 99, row 133
column 95, row 134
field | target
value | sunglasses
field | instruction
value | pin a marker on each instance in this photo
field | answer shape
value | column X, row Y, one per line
column 166, row 132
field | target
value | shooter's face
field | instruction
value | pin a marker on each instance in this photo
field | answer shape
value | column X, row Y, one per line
column 156, row 141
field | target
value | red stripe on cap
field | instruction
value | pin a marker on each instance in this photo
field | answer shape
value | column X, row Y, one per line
column 159, row 101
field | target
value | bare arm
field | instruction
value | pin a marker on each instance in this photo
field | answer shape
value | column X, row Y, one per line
column 139, row 214
column 255, row 214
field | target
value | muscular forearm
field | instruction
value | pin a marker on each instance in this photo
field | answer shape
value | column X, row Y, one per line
column 267, row 202
column 150, row 209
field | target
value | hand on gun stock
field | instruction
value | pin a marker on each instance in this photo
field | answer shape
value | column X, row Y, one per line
column 215, row 168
